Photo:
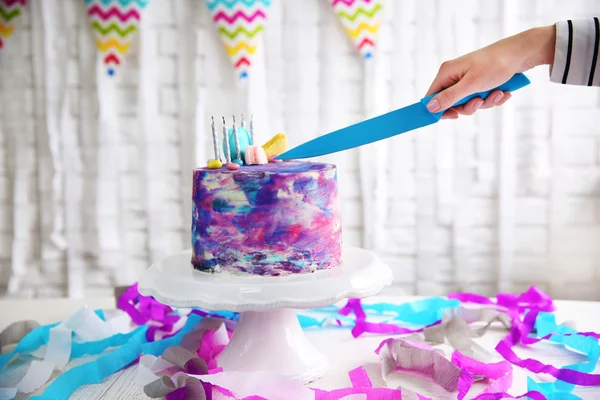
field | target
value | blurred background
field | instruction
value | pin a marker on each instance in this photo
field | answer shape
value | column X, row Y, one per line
column 95, row 170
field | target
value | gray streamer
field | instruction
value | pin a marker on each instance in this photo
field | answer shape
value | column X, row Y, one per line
column 163, row 386
column 184, row 356
column 458, row 332
column 16, row 331
column 405, row 355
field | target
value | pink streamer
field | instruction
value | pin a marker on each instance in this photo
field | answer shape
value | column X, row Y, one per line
column 520, row 334
column 532, row 299
column 361, row 384
column 359, row 378
column 500, row 372
column 361, row 325
column 149, row 311
column 232, row 395
column 533, row 395
column 475, row 367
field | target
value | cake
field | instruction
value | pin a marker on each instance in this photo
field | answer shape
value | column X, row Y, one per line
column 273, row 219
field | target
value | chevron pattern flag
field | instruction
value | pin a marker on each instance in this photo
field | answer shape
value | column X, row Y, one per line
column 114, row 24
column 239, row 23
column 360, row 19
column 9, row 12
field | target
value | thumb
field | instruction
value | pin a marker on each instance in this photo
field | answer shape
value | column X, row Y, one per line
column 451, row 95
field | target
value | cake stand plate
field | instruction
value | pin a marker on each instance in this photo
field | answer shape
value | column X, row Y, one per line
column 268, row 336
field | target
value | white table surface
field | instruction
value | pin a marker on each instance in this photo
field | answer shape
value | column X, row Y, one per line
column 344, row 352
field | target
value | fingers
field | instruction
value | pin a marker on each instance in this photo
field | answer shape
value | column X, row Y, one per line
column 445, row 77
column 495, row 99
column 447, row 97
column 507, row 96
column 450, row 114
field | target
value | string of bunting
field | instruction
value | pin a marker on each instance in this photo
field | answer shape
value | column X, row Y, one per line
column 10, row 10
column 360, row 19
column 176, row 351
column 114, row 24
column 239, row 24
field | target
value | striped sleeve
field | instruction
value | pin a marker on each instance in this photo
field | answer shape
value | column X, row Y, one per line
column 576, row 53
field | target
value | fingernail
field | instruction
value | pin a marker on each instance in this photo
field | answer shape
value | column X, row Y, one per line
column 477, row 104
column 498, row 97
column 433, row 105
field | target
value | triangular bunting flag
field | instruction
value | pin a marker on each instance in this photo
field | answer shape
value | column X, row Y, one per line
column 114, row 24
column 9, row 12
column 239, row 23
column 360, row 19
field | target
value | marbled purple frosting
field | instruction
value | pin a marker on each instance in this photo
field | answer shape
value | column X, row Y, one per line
column 274, row 219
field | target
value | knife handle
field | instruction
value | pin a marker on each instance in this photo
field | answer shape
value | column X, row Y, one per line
column 518, row 81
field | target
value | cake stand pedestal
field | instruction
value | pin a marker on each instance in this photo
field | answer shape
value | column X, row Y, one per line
column 268, row 336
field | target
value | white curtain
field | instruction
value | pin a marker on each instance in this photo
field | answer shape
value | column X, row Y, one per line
column 95, row 172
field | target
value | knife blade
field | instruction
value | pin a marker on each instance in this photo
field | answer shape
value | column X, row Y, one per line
column 403, row 120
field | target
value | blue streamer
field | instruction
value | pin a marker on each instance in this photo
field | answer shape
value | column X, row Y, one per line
column 549, row 391
column 98, row 370
column 545, row 324
column 419, row 312
column 34, row 340
column 310, row 322
column 97, row 347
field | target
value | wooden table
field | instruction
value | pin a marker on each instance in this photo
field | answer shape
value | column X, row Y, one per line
column 344, row 352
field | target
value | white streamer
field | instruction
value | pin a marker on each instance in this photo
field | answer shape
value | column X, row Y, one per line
column 8, row 393
column 373, row 159
column 84, row 325
column 22, row 155
column 192, row 118
column 56, row 67
column 107, row 196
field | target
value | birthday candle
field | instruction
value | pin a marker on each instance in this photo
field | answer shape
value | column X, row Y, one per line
column 243, row 124
column 252, row 128
column 215, row 140
column 237, row 141
column 226, row 136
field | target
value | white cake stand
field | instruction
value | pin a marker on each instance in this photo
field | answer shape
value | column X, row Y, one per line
column 268, row 336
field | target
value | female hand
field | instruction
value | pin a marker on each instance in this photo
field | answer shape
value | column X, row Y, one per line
column 487, row 68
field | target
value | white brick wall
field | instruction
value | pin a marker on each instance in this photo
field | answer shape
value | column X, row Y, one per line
column 477, row 204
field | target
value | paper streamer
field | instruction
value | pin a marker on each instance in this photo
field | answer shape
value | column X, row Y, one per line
column 362, row 326
column 146, row 310
column 532, row 299
column 178, row 364
column 84, row 325
column 361, row 384
column 360, row 19
column 97, row 370
column 240, row 23
column 33, row 340
column 16, row 331
column 570, row 374
column 114, row 24
column 458, row 334
column 418, row 357
column 10, row 10
column 181, row 363
column 455, row 375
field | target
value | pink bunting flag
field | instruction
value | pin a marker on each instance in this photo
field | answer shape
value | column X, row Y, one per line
column 10, row 10
column 239, row 23
column 360, row 19
column 114, row 24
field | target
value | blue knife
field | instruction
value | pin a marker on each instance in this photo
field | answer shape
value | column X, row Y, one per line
column 387, row 125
